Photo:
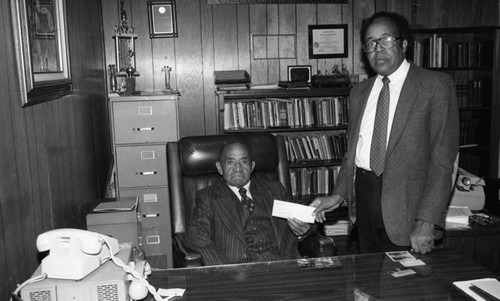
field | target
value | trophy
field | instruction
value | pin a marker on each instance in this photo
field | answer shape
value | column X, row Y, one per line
column 125, row 53
column 112, row 79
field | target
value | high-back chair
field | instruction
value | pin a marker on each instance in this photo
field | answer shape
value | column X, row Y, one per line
column 191, row 167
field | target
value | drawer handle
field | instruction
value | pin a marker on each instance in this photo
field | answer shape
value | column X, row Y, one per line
column 151, row 215
column 151, row 128
column 147, row 173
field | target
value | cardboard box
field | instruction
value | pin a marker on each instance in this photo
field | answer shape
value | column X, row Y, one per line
column 122, row 225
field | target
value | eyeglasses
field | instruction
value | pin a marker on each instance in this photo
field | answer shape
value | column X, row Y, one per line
column 385, row 42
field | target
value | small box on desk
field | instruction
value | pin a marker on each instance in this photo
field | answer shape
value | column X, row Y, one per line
column 117, row 218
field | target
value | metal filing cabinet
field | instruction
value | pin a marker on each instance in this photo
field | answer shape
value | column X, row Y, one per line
column 141, row 127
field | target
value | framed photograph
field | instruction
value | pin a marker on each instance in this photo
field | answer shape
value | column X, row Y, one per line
column 44, row 25
column 41, row 48
column 162, row 19
column 301, row 73
column 327, row 41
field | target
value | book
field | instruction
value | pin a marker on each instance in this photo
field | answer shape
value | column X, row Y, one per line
column 483, row 289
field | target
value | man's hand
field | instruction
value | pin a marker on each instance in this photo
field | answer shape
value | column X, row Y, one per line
column 298, row 227
column 325, row 204
column 422, row 237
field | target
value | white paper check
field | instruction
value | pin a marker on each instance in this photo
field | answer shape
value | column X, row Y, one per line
column 287, row 210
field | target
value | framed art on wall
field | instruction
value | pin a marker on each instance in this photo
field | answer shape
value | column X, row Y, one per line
column 41, row 46
column 327, row 41
column 300, row 73
column 162, row 19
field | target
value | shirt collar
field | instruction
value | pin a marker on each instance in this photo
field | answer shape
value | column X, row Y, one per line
column 399, row 74
column 236, row 189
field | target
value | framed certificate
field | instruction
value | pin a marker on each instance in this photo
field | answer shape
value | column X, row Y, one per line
column 162, row 19
column 327, row 41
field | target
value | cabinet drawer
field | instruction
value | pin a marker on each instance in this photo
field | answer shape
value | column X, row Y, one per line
column 155, row 241
column 141, row 165
column 154, row 206
column 144, row 121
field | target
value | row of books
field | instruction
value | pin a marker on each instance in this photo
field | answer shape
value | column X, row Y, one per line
column 473, row 163
column 313, row 181
column 433, row 52
column 469, row 93
column 324, row 146
column 468, row 131
column 286, row 112
column 471, row 125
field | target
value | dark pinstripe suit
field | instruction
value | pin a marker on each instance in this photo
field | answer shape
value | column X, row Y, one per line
column 216, row 231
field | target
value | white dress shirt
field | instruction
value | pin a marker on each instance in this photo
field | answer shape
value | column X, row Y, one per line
column 397, row 79
column 236, row 190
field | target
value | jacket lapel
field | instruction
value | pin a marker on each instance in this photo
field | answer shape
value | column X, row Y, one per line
column 407, row 100
column 262, row 196
column 225, row 207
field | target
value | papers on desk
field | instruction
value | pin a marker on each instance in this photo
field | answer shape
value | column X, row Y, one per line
column 484, row 289
column 170, row 293
column 122, row 204
column 457, row 217
column 288, row 210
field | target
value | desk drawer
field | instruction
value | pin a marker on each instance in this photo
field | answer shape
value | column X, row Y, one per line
column 144, row 121
column 142, row 165
column 154, row 206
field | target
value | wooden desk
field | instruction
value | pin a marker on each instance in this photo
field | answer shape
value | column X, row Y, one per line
column 363, row 274
column 481, row 244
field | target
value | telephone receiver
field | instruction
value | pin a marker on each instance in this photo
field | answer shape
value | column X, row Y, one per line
column 88, row 242
column 74, row 253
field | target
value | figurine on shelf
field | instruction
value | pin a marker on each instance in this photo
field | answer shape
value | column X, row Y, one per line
column 344, row 69
column 335, row 69
column 167, row 70
column 123, row 17
column 112, row 79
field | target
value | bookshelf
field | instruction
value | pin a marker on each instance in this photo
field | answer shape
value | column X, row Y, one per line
column 470, row 55
column 313, row 123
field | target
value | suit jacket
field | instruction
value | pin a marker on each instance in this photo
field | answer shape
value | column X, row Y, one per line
column 216, row 231
column 423, row 145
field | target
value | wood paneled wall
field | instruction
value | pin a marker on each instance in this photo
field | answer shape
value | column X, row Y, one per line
column 219, row 37
column 54, row 156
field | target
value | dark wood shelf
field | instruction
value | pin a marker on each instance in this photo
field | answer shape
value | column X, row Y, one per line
column 287, row 129
column 314, row 163
column 473, row 147
column 456, row 30
column 284, row 93
column 475, row 108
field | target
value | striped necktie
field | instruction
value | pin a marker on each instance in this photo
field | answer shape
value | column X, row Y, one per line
column 245, row 200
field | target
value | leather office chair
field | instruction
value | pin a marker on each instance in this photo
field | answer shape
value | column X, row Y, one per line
column 191, row 167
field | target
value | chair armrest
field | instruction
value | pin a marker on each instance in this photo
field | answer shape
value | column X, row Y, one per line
column 317, row 245
column 187, row 258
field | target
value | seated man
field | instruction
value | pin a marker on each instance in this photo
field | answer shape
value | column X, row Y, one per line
column 232, row 220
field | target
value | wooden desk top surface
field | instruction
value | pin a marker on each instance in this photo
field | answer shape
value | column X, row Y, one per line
column 350, row 278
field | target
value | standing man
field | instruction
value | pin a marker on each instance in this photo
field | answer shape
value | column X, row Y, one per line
column 232, row 220
column 402, row 143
